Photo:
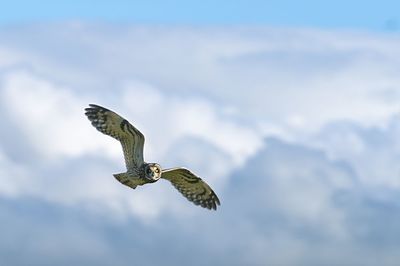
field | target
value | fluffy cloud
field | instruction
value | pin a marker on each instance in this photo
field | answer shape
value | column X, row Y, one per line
column 271, row 75
column 33, row 102
column 290, row 205
column 295, row 129
column 373, row 151
column 66, row 151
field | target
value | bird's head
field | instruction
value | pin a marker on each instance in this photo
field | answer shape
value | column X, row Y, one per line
column 152, row 171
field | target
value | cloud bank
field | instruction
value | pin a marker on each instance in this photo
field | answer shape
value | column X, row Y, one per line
column 296, row 129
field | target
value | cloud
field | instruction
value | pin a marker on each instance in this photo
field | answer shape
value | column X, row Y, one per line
column 187, row 116
column 33, row 102
column 295, row 184
column 12, row 177
column 271, row 74
column 373, row 151
column 289, row 205
column 293, row 205
column 295, row 129
column 67, row 151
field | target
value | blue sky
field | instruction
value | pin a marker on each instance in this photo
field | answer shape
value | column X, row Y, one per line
column 368, row 15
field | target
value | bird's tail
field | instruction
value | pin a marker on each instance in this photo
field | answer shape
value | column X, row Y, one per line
column 124, row 179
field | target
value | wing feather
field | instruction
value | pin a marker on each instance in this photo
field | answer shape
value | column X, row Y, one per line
column 111, row 124
column 192, row 187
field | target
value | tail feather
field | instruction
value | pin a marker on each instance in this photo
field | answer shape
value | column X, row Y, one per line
column 124, row 179
column 130, row 180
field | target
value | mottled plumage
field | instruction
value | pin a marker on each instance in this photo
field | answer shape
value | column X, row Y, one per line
column 192, row 187
column 138, row 171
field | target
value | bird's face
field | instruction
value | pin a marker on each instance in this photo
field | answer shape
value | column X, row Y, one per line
column 152, row 171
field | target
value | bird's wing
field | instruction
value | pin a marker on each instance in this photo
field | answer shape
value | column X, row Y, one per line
column 192, row 187
column 110, row 123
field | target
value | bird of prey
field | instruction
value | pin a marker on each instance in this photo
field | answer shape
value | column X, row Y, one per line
column 138, row 171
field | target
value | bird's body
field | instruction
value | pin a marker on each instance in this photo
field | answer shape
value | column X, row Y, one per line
column 137, row 177
column 138, row 171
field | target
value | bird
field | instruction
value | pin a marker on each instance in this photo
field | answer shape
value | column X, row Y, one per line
column 138, row 172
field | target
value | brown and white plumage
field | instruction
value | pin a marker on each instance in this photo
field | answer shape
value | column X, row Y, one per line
column 110, row 123
column 138, row 171
column 192, row 187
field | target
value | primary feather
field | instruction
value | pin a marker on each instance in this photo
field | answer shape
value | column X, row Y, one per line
column 111, row 124
column 192, row 187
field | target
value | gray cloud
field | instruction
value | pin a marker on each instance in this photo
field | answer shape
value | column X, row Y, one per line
column 290, row 205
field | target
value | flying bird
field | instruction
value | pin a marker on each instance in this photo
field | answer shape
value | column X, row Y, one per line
column 138, row 171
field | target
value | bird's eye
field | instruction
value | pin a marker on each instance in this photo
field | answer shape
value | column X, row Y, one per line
column 157, row 171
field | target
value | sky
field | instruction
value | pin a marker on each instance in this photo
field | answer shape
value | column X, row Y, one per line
column 366, row 15
column 293, row 119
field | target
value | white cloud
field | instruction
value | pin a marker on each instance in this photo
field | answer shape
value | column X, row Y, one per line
column 267, row 74
column 176, row 117
column 50, row 115
column 205, row 98
column 52, row 119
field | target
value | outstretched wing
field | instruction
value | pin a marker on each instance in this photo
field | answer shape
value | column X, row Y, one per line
column 110, row 123
column 192, row 187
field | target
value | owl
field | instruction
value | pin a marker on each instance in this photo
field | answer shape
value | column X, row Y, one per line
column 138, row 171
